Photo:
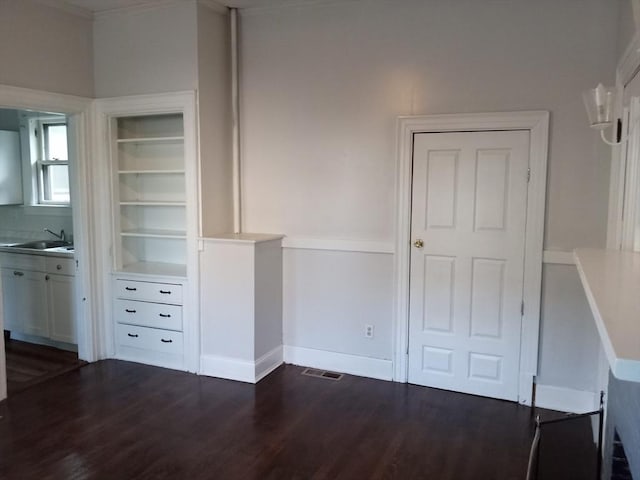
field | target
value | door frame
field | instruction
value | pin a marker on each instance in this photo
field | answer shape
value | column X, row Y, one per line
column 78, row 110
column 537, row 123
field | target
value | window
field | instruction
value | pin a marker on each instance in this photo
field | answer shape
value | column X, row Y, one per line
column 53, row 162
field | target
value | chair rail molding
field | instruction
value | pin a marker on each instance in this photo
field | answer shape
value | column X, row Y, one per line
column 537, row 123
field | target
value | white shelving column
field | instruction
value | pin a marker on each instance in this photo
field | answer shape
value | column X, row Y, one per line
column 152, row 158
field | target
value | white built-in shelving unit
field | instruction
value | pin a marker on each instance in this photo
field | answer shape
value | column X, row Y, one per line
column 151, row 150
column 151, row 193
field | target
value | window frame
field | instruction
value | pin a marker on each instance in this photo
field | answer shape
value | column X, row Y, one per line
column 42, row 160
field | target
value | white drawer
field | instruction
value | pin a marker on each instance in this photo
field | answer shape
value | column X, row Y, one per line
column 61, row 266
column 149, row 291
column 152, row 339
column 35, row 263
column 156, row 315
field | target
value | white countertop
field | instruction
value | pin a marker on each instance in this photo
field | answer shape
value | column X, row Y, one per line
column 611, row 280
column 6, row 246
column 244, row 237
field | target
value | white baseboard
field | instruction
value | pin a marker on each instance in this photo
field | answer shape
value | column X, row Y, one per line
column 339, row 362
column 268, row 363
column 565, row 399
column 241, row 370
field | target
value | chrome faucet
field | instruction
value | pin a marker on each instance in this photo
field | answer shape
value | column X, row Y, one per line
column 62, row 236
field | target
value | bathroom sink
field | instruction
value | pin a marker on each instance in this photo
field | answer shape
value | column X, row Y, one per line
column 43, row 244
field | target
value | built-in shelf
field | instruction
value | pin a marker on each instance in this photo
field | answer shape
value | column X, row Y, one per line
column 150, row 172
column 150, row 184
column 150, row 140
column 153, row 204
column 156, row 268
column 611, row 280
column 154, row 233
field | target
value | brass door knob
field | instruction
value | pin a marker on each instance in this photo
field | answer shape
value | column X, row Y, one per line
column 418, row 243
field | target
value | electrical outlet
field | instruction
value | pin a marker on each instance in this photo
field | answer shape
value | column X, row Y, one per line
column 368, row 331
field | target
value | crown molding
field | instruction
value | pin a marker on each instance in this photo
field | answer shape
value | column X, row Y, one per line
column 214, row 5
column 142, row 7
column 257, row 9
column 63, row 6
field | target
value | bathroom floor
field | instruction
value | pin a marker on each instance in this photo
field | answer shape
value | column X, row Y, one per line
column 29, row 364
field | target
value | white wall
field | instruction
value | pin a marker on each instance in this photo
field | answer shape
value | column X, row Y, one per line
column 626, row 26
column 146, row 51
column 322, row 86
column 9, row 120
column 570, row 343
column 215, row 121
column 45, row 48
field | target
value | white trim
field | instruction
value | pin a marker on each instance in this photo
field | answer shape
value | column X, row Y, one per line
column 268, row 363
column 137, row 9
column 334, row 244
column 565, row 399
column 339, row 362
column 70, row 8
column 77, row 108
column 558, row 257
column 227, row 367
column 618, row 228
column 537, row 122
column 266, row 7
column 629, row 62
column 215, row 6
column 241, row 370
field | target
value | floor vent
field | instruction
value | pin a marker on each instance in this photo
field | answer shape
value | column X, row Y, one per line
column 312, row 372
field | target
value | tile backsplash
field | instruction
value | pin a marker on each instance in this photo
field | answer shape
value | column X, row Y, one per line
column 15, row 222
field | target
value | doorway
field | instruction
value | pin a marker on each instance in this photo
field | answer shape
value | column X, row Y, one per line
column 526, row 132
column 75, row 111
column 37, row 267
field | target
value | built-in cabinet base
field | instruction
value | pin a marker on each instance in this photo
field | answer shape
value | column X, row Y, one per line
column 148, row 320
column 241, row 305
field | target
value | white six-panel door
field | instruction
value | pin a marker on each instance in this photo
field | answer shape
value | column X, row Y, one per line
column 469, row 203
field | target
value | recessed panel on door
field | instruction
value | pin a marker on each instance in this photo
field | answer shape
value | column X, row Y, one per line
column 491, row 189
column 442, row 171
column 487, row 287
column 439, row 275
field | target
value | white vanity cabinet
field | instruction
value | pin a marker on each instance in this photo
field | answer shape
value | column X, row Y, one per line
column 148, row 318
column 38, row 296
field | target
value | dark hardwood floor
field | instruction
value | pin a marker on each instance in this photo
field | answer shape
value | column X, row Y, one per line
column 119, row 420
column 29, row 364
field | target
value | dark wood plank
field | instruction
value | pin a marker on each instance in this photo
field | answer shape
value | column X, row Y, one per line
column 121, row 420
column 29, row 364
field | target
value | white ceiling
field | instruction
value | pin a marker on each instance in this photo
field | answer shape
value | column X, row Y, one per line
column 97, row 6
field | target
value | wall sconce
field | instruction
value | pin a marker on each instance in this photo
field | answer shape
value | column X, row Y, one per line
column 600, row 103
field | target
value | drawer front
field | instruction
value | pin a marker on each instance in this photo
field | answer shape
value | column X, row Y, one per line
column 152, row 339
column 20, row 261
column 156, row 315
column 149, row 291
column 61, row 266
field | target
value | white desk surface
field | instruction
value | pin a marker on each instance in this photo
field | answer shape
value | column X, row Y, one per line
column 611, row 280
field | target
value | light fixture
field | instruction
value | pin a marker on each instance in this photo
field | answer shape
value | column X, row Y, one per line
column 600, row 103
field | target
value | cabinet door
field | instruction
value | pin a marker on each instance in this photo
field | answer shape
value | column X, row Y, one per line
column 60, row 299
column 25, row 302
column 12, row 320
